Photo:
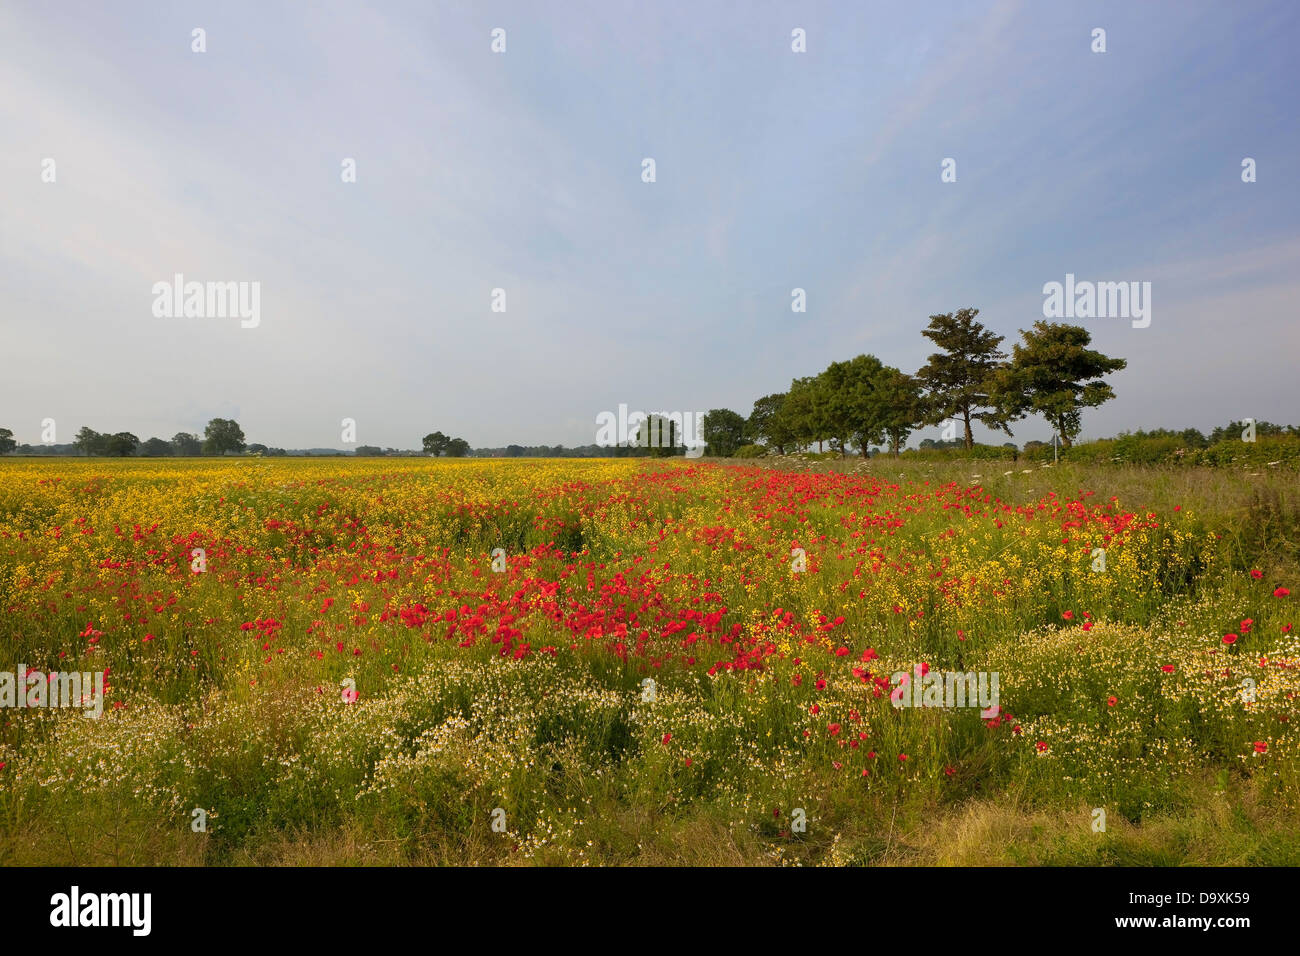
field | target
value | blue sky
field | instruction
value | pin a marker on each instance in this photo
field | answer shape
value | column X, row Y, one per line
column 522, row 170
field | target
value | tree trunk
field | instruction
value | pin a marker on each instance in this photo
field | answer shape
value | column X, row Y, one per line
column 970, row 441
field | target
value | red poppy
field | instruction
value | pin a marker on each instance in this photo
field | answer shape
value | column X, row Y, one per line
column 1281, row 593
column 1112, row 701
column 1230, row 638
column 1256, row 574
column 1260, row 747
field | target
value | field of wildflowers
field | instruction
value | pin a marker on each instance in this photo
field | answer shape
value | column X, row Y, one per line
column 633, row 661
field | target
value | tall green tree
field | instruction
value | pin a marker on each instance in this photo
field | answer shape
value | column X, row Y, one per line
column 962, row 380
column 457, row 448
column 186, row 445
column 222, row 435
column 121, row 444
column 804, row 412
column 90, row 442
column 837, row 395
column 435, row 443
column 853, row 403
column 7, row 443
column 1053, row 373
column 904, row 408
column 155, row 448
column 767, row 423
column 724, row 431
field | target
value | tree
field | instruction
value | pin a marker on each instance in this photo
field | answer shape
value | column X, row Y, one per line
column 7, row 443
column 155, row 448
column 658, row 436
column 1232, row 431
column 122, row 444
column 836, row 397
column 368, row 451
column 186, row 445
column 961, row 381
column 904, row 408
column 222, row 435
column 457, row 448
column 804, row 412
column 90, row 442
column 257, row 449
column 724, row 431
column 1056, row 375
column 852, row 403
column 871, row 401
column 435, row 444
column 767, row 422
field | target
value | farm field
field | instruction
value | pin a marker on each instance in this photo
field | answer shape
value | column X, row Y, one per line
column 323, row 662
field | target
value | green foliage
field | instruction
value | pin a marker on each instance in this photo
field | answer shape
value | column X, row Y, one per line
column 186, row 445
column 976, row 452
column 437, row 444
column 767, row 423
column 90, row 442
column 222, row 435
column 962, row 380
column 1054, row 374
column 903, row 406
column 724, row 431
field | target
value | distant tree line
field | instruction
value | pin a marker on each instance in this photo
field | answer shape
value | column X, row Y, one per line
column 862, row 402
column 437, row 444
column 221, row 436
